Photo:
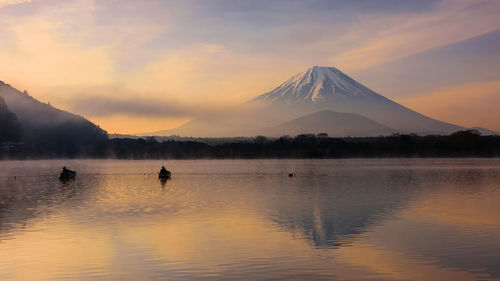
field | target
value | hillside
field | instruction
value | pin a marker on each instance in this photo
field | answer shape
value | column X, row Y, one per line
column 48, row 130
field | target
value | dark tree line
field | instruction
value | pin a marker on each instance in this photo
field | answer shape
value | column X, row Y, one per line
column 10, row 129
column 460, row 144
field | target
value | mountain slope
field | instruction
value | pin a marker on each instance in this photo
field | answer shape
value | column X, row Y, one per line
column 32, row 112
column 49, row 128
column 244, row 123
column 333, row 123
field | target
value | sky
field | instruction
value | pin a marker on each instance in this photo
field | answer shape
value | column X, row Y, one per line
column 141, row 66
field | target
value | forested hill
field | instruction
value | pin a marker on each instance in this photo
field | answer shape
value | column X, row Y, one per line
column 10, row 129
column 46, row 129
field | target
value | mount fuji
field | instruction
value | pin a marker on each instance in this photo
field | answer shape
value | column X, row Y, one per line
column 315, row 90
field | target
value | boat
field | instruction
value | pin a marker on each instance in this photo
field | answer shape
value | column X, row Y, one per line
column 67, row 174
column 164, row 175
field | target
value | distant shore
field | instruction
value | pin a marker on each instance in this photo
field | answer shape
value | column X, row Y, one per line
column 307, row 146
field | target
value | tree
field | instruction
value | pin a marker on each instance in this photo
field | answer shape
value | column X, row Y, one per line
column 10, row 130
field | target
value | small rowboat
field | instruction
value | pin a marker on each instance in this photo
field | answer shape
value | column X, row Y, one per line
column 67, row 175
column 166, row 175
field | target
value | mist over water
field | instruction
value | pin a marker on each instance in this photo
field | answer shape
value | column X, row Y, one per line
column 359, row 219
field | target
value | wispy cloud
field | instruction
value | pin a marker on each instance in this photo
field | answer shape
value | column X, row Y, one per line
column 474, row 60
column 400, row 35
column 4, row 3
column 135, row 114
column 134, row 105
column 105, row 106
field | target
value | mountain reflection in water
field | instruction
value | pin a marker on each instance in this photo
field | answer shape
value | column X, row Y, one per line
column 417, row 219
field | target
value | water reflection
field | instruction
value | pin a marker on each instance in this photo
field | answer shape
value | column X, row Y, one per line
column 336, row 219
column 163, row 182
column 25, row 198
column 333, row 207
column 449, row 231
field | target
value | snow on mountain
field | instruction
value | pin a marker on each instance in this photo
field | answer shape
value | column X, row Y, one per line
column 316, row 85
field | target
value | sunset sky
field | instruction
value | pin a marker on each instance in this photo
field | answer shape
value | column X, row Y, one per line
column 140, row 66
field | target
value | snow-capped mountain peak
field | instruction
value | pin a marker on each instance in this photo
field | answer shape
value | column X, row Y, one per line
column 315, row 85
column 314, row 91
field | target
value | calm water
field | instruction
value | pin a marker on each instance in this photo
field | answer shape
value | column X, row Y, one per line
column 430, row 219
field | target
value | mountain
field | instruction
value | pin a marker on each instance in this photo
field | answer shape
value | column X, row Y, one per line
column 335, row 124
column 32, row 112
column 317, row 89
column 47, row 128
column 321, row 88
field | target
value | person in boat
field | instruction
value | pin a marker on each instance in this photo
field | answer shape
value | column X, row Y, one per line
column 164, row 172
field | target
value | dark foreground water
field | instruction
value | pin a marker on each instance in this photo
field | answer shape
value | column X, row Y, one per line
column 432, row 219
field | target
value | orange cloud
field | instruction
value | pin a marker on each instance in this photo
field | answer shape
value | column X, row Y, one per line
column 43, row 59
column 210, row 73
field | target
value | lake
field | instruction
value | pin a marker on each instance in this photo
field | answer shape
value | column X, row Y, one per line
column 359, row 219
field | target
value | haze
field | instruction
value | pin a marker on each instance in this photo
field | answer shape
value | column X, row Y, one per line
column 139, row 66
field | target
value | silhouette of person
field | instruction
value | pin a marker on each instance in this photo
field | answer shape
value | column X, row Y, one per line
column 163, row 170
